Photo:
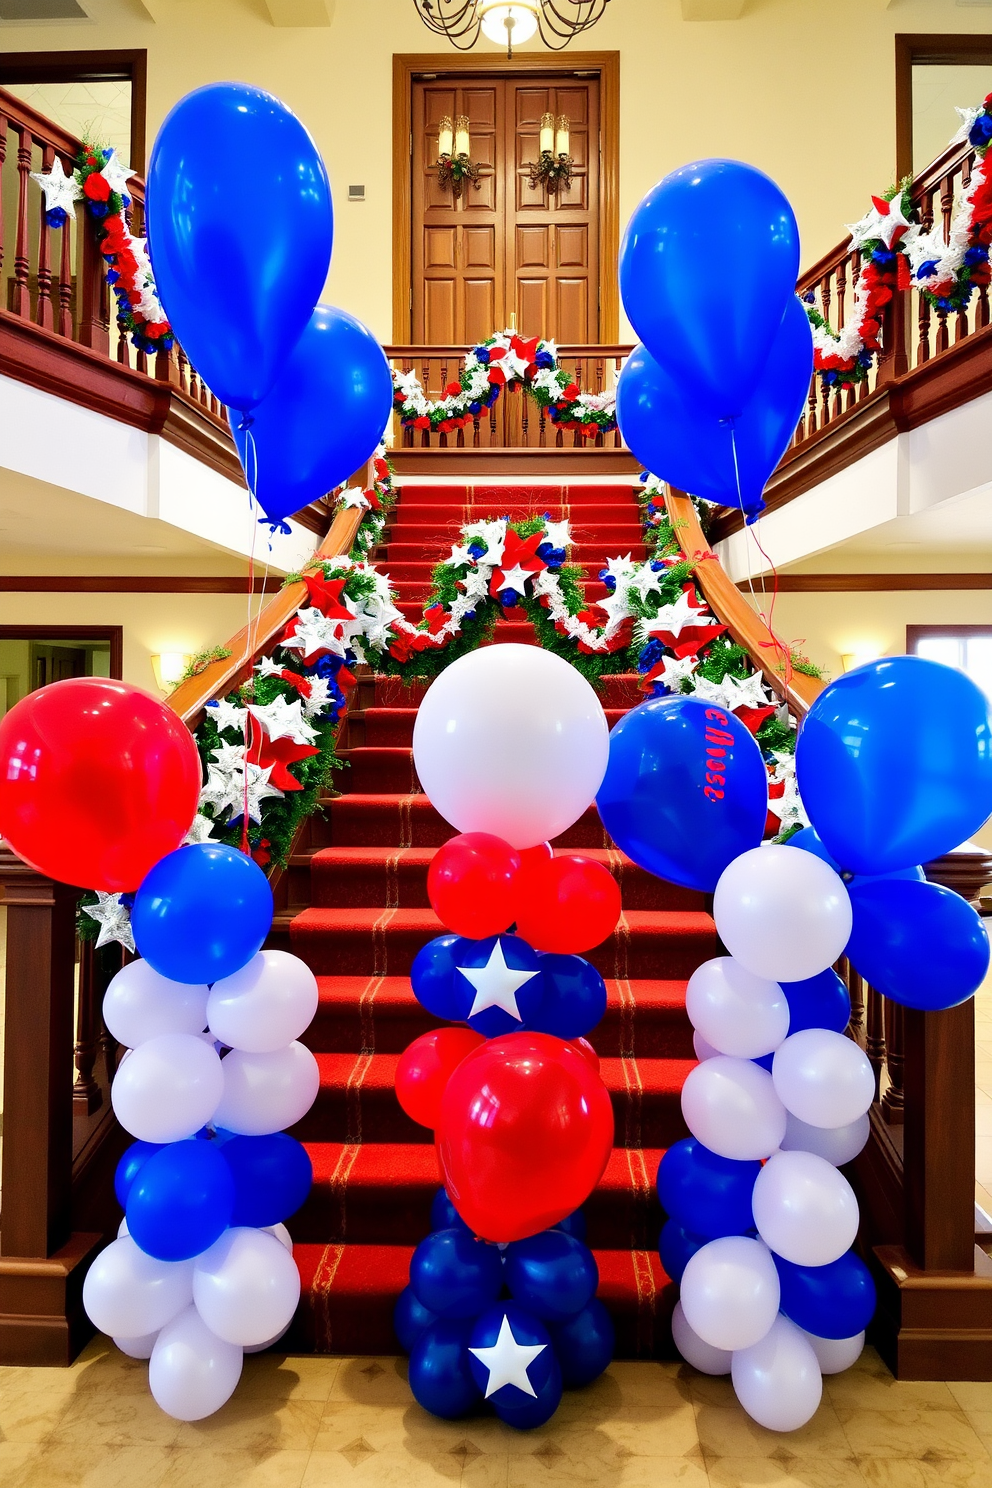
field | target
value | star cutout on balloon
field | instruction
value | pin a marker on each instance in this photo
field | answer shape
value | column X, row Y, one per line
column 507, row 1361
column 496, row 984
column 114, row 919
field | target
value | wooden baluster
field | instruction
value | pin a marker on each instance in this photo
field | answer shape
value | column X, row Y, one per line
column 87, row 1096
column 94, row 326
column 875, row 1034
column 542, row 428
column 3, row 161
column 893, row 1101
column 425, row 383
column 825, row 295
column 524, row 418
column 22, row 294
column 923, row 313
column 65, row 280
column 982, row 313
column 946, row 211
column 811, row 403
column 44, row 314
column 856, row 988
column 164, row 363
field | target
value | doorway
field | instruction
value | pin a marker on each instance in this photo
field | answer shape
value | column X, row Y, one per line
column 934, row 76
column 32, row 656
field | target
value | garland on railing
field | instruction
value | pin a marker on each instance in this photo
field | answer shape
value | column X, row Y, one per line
column 99, row 180
column 504, row 361
column 375, row 504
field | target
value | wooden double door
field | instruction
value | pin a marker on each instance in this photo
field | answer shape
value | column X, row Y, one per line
column 505, row 247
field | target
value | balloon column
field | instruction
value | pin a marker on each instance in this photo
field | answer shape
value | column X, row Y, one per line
column 511, row 744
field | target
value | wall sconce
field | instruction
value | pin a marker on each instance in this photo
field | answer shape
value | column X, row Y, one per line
column 861, row 657
column 454, row 156
column 169, row 668
column 554, row 168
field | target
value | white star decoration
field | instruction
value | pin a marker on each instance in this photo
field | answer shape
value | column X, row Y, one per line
column 227, row 715
column 460, row 555
column 507, row 1361
column 114, row 920
column 496, row 984
column 227, row 792
column 967, row 117
column 648, row 582
column 201, row 830
column 320, row 692
column 268, row 668
column 676, row 617
column 676, row 671
column 884, row 225
column 282, row 720
column 557, row 534
column 354, row 497
column 515, row 578
column 116, row 174
column 314, row 633
column 60, row 190
column 733, row 692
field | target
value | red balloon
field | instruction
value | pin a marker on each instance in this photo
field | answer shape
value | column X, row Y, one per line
column 425, row 1067
column 98, row 781
column 587, row 1051
column 569, row 904
column 525, row 1132
column 470, row 884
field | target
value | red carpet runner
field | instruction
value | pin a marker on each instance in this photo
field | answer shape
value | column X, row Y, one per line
column 363, row 876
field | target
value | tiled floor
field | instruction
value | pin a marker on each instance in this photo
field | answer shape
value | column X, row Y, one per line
column 307, row 1422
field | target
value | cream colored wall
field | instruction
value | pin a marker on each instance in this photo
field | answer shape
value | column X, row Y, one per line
column 802, row 88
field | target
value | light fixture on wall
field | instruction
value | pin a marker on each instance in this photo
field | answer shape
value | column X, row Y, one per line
column 169, row 668
column 860, row 656
column 455, row 165
column 554, row 164
column 509, row 21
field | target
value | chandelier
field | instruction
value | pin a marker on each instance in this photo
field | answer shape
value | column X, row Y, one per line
column 510, row 21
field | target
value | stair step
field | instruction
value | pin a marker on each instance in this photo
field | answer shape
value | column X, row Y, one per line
column 455, row 514
column 389, row 820
column 393, row 727
column 526, row 496
column 615, row 690
column 403, row 555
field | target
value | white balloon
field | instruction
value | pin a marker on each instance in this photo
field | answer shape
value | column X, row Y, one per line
column 781, row 919
column 834, row 1355
column 282, row 1235
column 122, row 1229
column 701, row 1048
column 266, row 1092
column 139, row 1004
column 167, row 1088
column 259, row 1348
column 511, row 740
column 246, row 1286
column 730, row 1292
column 837, row 1145
column 777, row 1380
column 264, row 1006
column 128, row 1293
column 702, row 1356
column 804, row 1209
column 734, row 1010
column 731, row 1107
column 137, row 1348
column 823, row 1077
column 192, row 1373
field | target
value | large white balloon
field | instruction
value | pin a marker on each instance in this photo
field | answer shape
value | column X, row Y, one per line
column 282, row 1235
column 837, row 1145
column 137, row 1348
column 731, row 1107
column 730, row 1292
column 702, row 1356
column 511, row 740
column 267, row 1092
column 139, row 1004
column 167, row 1088
column 781, row 919
column 259, row 1348
column 736, row 1011
column 264, row 1006
column 823, row 1077
column 192, row 1372
column 777, row 1380
column 804, row 1209
column 701, row 1048
column 128, row 1293
column 246, row 1286
column 834, row 1355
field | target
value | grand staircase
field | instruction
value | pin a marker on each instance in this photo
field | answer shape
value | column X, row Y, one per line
column 358, row 913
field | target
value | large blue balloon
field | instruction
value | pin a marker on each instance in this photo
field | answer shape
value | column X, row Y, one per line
column 894, row 763
column 272, row 1177
column 517, row 955
column 238, row 213
column 574, row 998
column 701, row 216
column 573, row 1224
column 512, row 1403
column 685, row 791
column 202, row 913
column 677, row 1246
column 832, row 1301
column 552, row 1274
column 410, row 1318
column 821, row 1001
column 432, row 977
column 808, row 839
column 455, row 1275
column 584, row 1345
column 130, row 1165
column 724, row 461
column 918, row 943
column 322, row 419
column 706, row 1194
column 440, row 1374
column 181, row 1201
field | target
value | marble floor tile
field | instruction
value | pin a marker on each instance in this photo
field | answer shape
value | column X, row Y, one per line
column 233, row 1467
column 912, row 1434
column 782, row 1470
column 256, row 1426
column 58, row 1465
column 729, row 1432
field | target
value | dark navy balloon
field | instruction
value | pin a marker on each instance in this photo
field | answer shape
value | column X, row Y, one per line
column 574, row 998
column 705, row 1193
column 533, row 1395
column 584, row 1345
column 677, row 1246
column 553, row 1274
column 455, row 1275
column 432, row 977
column 410, row 1318
column 130, row 1165
column 272, row 1177
column 833, row 1301
column 573, row 1224
column 492, row 1019
column 894, row 763
column 819, row 1002
column 444, row 1215
column 181, row 1201
column 440, row 1375
column 202, row 913
column 685, row 791
column 918, row 943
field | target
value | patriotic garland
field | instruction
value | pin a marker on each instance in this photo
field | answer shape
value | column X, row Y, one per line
column 375, row 504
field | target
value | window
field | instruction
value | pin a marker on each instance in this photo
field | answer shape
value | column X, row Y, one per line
column 968, row 647
column 31, row 656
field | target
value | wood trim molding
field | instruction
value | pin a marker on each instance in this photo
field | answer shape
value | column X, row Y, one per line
column 113, row 634
column 606, row 64
column 88, row 67
column 921, row 50
column 129, row 584
column 874, row 583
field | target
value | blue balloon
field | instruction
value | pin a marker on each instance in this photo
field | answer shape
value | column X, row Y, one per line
column 518, row 956
column 272, row 1177
column 455, row 1275
column 727, row 461
column 685, row 791
column 809, row 841
column 440, row 1374
column 432, row 977
column 894, row 763
column 764, row 1061
column 322, row 419
column 716, row 344
column 584, row 1345
column 705, row 1193
column 511, row 1401
column 821, row 1001
column 444, row 1215
column 202, row 913
column 410, row 1318
column 181, row 1201
column 130, row 1166
column 574, row 996
column 573, row 1224
column 239, row 221
column 677, row 1246
column 832, row 1301
column 918, row 943
column 552, row 1274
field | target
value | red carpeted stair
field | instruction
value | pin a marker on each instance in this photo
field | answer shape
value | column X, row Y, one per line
column 358, row 913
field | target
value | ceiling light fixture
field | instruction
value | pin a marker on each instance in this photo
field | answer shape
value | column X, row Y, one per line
column 509, row 21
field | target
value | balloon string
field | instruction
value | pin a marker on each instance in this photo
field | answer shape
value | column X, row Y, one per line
column 737, row 479
column 751, row 530
column 251, row 473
